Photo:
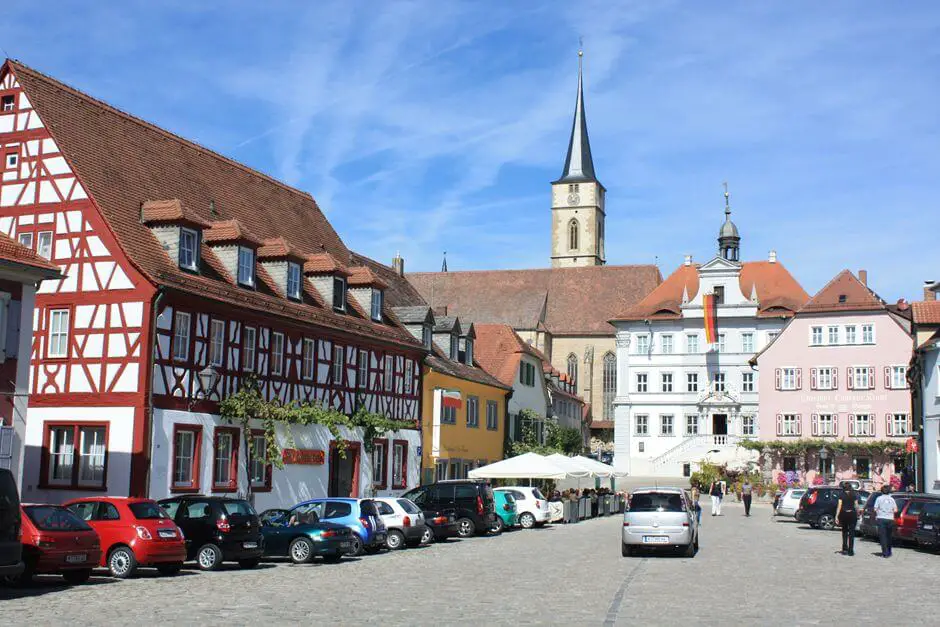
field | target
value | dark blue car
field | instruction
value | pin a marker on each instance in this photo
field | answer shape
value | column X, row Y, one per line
column 359, row 515
column 301, row 538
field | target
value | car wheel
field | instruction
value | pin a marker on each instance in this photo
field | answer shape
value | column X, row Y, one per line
column 300, row 550
column 465, row 528
column 498, row 526
column 395, row 540
column 25, row 578
column 625, row 549
column 527, row 520
column 74, row 577
column 356, row 546
column 209, row 557
column 689, row 550
column 122, row 563
column 827, row 522
column 427, row 537
column 169, row 569
column 249, row 563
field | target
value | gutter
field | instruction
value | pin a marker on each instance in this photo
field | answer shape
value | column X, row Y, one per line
column 154, row 310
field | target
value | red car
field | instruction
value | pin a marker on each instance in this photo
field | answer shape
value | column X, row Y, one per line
column 55, row 541
column 134, row 532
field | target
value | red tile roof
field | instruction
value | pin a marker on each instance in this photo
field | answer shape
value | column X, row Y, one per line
column 361, row 276
column 229, row 231
column 278, row 248
column 12, row 252
column 778, row 293
column 124, row 161
column 324, row 263
column 926, row 311
column 565, row 301
column 498, row 350
column 157, row 211
column 844, row 293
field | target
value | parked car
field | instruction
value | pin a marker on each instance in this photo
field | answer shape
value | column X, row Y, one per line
column 302, row 537
column 133, row 532
column 910, row 506
column 359, row 515
column 818, row 506
column 506, row 511
column 404, row 522
column 532, row 507
column 56, row 542
column 441, row 523
column 217, row 529
column 927, row 533
column 660, row 518
column 789, row 502
column 472, row 502
column 867, row 525
column 11, row 549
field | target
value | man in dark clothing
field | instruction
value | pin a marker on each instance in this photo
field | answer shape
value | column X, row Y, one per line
column 746, row 490
column 847, row 517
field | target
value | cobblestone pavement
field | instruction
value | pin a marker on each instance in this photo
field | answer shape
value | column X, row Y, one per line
column 749, row 571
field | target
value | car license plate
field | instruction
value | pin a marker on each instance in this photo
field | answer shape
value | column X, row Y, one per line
column 655, row 540
column 167, row 533
column 928, row 526
column 250, row 545
column 77, row 558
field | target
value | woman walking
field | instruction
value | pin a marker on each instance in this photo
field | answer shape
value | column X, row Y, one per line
column 847, row 517
column 715, row 492
column 697, row 505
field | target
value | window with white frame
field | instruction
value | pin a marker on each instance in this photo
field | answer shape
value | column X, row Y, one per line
column 225, row 459
column 899, row 424
column 747, row 381
column 448, row 414
column 338, row 364
column 186, row 439
column 362, row 377
column 44, row 244
column 293, row 280
column 642, row 382
column 642, row 344
column 379, row 454
column 850, row 334
column 426, row 336
column 718, row 383
column 26, row 240
column 216, row 342
column 771, row 336
column 721, row 343
column 309, row 359
column 862, row 377
column 666, row 426
column 833, row 335
column 8, row 102
column 825, row 424
column 181, row 320
column 691, row 343
column 898, row 377
column 691, row 382
column 641, row 424
column 747, row 342
column 377, row 304
column 189, row 249
column 259, row 468
column 666, row 343
column 407, row 376
column 791, row 425
column 399, row 468
column 691, row 424
column 824, row 378
column 58, row 334
column 77, row 455
column 816, row 336
column 863, row 424
column 788, row 378
column 868, row 334
column 277, row 353
column 246, row 266
column 389, row 372
column 249, row 336
column 748, row 425
column 667, row 382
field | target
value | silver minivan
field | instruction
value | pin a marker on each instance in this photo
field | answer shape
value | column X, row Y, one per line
column 661, row 518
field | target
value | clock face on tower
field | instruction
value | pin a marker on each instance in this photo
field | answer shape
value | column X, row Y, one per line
column 573, row 199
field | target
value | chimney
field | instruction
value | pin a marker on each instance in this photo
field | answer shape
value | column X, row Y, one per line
column 863, row 277
column 688, row 260
column 772, row 258
column 929, row 294
column 903, row 305
column 398, row 264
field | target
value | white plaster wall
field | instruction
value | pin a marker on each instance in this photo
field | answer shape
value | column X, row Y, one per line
column 931, row 416
column 24, row 341
column 526, row 397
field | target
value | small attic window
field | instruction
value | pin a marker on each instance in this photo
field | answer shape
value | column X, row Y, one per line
column 426, row 336
column 189, row 249
column 339, row 293
column 293, row 281
column 454, row 347
column 719, row 294
column 8, row 102
column 842, row 298
column 246, row 266
column 377, row 297
column 12, row 159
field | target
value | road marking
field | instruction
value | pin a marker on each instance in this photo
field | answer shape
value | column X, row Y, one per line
column 614, row 608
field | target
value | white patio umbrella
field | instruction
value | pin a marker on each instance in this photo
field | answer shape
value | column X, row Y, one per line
column 525, row 466
column 575, row 469
column 599, row 469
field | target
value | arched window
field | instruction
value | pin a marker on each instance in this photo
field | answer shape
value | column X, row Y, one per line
column 573, row 370
column 610, row 385
column 573, row 235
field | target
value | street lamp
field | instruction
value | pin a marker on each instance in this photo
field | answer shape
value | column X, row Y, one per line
column 823, row 453
column 208, row 378
column 823, row 456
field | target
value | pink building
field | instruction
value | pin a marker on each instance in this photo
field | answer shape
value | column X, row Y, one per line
column 836, row 377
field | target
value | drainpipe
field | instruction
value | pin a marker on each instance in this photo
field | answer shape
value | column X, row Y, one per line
column 148, row 410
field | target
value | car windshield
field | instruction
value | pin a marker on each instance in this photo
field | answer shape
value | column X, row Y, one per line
column 509, row 497
column 656, row 502
column 408, row 506
column 238, row 508
column 52, row 518
column 537, row 494
column 147, row 510
column 796, row 493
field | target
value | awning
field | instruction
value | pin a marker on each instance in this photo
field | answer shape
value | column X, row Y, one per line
column 525, row 466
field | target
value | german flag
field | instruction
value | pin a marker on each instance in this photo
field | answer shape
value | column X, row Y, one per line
column 711, row 322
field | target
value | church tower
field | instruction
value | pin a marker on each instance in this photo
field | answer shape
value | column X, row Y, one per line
column 578, row 199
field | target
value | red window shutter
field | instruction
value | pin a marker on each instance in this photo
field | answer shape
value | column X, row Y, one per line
column 815, row 424
column 835, row 424
column 849, row 379
column 799, row 424
column 889, row 427
column 812, row 378
column 777, row 378
column 887, row 377
column 779, row 424
column 799, row 378
column 871, row 377
column 851, row 424
column 835, row 379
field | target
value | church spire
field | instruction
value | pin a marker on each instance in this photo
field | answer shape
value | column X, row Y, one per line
column 579, row 166
column 729, row 241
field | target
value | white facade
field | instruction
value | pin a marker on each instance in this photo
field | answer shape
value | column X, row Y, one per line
column 679, row 399
column 526, row 396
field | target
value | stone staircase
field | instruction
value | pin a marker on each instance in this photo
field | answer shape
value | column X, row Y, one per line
column 691, row 449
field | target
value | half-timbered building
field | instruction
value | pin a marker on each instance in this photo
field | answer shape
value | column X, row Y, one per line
column 183, row 274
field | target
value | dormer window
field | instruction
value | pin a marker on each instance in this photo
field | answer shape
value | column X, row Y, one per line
column 246, row 266
column 293, row 280
column 454, row 348
column 339, row 293
column 377, row 297
column 8, row 102
column 468, row 352
column 426, row 336
column 189, row 249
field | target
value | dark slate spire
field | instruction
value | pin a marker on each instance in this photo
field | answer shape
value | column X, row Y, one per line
column 729, row 241
column 579, row 166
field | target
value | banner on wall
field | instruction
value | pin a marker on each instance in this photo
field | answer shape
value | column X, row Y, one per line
column 711, row 322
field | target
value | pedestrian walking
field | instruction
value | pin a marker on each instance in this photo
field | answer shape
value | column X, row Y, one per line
column 746, row 489
column 847, row 518
column 715, row 492
column 698, row 506
column 885, row 509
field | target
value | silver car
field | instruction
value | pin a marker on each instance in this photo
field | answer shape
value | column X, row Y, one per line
column 660, row 518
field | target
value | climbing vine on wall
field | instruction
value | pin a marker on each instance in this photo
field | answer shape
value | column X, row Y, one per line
column 812, row 445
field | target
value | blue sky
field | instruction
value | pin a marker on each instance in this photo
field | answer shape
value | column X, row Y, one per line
column 424, row 126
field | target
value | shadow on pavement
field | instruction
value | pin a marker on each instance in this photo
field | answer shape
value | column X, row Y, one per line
column 46, row 584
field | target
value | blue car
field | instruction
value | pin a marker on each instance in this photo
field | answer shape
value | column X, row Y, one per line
column 359, row 515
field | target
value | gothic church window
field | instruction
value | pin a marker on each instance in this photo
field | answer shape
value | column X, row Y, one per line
column 573, row 369
column 573, row 235
column 610, row 385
